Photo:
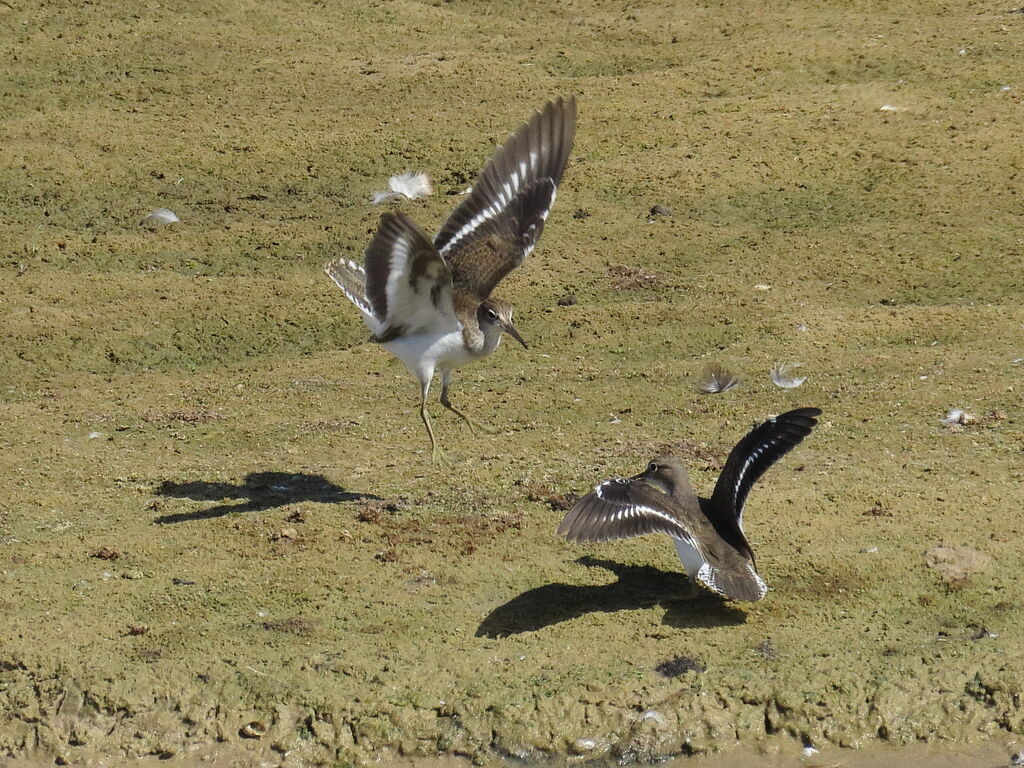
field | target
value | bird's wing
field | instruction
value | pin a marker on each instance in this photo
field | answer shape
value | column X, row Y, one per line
column 351, row 278
column 762, row 447
column 408, row 286
column 495, row 228
column 622, row 509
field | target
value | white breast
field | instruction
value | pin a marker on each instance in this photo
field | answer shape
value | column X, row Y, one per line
column 423, row 352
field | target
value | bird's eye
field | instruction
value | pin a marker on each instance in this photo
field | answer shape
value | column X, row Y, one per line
column 652, row 467
column 492, row 314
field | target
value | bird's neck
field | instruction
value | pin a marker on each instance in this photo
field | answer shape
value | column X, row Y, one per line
column 481, row 339
column 679, row 487
column 492, row 338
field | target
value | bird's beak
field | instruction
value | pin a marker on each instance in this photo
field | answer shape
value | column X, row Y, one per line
column 511, row 331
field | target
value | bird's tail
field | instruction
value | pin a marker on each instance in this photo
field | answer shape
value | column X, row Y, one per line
column 741, row 583
column 351, row 278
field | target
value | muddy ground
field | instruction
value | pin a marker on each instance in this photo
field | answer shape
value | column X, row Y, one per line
column 219, row 520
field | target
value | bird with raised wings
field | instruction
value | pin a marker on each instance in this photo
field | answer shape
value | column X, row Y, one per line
column 429, row 303
column 708, row 533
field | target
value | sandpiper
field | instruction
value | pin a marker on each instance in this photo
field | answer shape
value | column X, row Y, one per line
column 708, row 533
column 429, row 303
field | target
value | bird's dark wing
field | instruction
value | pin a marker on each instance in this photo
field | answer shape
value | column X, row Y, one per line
column 762, row 447
column 408, row 284
column 622, row 509
column 495, row 228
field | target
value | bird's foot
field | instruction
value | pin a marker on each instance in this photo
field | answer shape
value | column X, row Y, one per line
column 437, row 456
column 476, row 427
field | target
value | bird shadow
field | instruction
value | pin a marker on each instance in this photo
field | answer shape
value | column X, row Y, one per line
column 638, row 586
column 258, row 491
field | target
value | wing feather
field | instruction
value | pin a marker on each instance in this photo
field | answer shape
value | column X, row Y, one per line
column 408, row 284
column 351, row 278
column 753, row 455
column 622, row 509
column 496, row 227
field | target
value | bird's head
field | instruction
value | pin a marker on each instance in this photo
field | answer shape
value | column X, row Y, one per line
column 666, row 473
column 497, row 314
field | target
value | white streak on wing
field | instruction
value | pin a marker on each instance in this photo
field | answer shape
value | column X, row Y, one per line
column 360, row 302
column 397, row 275
column 508, row 191
column 486, row 214
column 631, row 510
column 411, row 305
column 754, row 456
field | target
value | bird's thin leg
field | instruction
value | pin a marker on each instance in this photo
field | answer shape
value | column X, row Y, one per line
column 436, row 454
column 473, row 425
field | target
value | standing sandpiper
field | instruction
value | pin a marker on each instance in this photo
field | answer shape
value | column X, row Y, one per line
column 430, row 304
column 708, row 533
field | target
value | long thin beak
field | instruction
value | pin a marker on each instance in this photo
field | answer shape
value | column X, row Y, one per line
column 511, row 331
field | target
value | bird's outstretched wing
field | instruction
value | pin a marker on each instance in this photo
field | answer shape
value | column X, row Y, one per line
column 407, row 287
column 752, row 456
column 494, row 229
column 622, row 509
column 351, row 278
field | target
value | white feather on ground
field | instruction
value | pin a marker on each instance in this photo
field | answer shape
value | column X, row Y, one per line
column 959, row 416
column 715, row 379
column 161, row 217
column 782, row 375
column 409, row 184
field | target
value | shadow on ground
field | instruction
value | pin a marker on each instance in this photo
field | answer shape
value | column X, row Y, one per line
column 260, row 490
column 637, row 587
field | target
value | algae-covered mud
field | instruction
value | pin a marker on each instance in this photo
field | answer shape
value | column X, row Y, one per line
column 219, row 524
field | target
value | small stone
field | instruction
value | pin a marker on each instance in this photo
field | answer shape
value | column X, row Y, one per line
column 567, row 301
column 582, row 746
column 581, row 213
column 253, row 730
column 661, row 210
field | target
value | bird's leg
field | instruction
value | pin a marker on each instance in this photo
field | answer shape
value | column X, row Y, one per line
column 436, row 454
column 473, row 425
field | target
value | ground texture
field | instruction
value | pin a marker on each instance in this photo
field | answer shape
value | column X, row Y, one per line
column 219, row 520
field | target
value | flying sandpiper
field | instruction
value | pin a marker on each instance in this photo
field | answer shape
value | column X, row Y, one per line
column 708, row 533
column 429, row 303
